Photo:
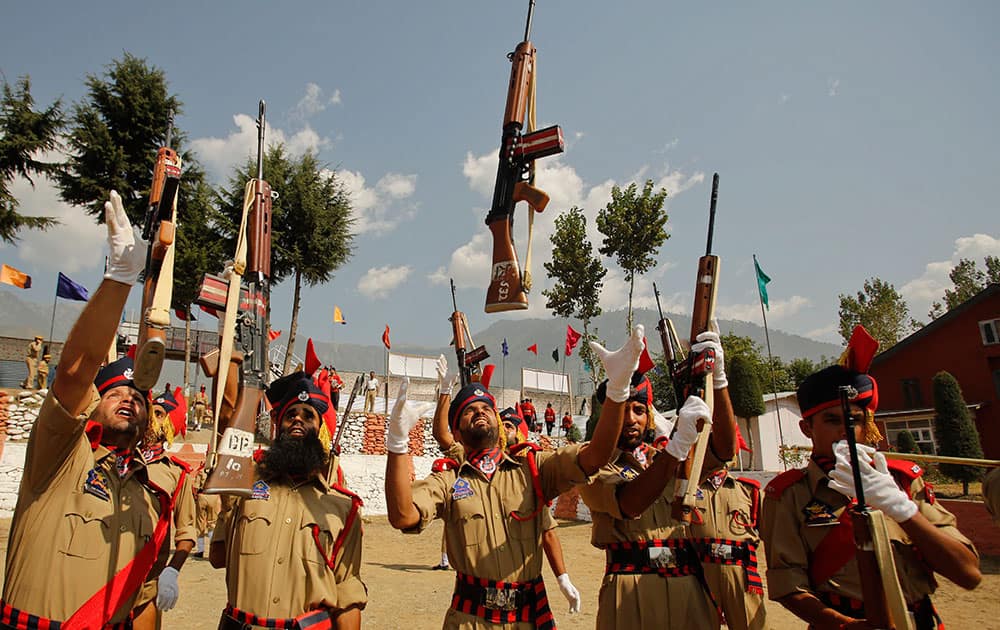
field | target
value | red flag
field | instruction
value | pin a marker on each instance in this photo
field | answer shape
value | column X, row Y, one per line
column 210, row 311
column 178, row 417
column 572, row 338
column 645, row 361
column 273, row 334
column 184, row 315
column 312, row 361
column 739, row 440
column 487, row 375
column 533, row 348
column 385, row 338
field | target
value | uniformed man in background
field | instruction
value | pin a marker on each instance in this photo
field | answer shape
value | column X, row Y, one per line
column 31, row 355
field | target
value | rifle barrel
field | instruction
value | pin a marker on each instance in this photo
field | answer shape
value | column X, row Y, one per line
column 852, row 445
column 711, row 213
column 527, row 25
column 260, row 139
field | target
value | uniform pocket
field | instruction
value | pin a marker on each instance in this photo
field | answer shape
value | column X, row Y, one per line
column 522, row 530
column 88, row 521
column 324, row 527
column 468, row 515
column 254, row 532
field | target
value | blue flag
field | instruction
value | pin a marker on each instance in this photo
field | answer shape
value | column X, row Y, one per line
column 503, row 347
column 69, row 290
column 762, row 280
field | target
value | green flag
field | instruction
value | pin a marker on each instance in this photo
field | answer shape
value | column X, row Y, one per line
column 762, row 280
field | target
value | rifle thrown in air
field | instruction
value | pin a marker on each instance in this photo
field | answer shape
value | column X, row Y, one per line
column 885, row 606
column 468, row 360
column 240, row 366
column 358, row 386
column 159, row 229
column 692, row 376
column 520, row 146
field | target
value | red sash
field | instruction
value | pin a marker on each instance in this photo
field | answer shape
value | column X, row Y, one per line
column 834, row 551
column 99, row 609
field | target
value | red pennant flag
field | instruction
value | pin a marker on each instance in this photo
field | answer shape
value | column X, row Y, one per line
column 645, row 361
column 533, row 348
column 739, row 440
column 385, row 338
column 210, row 311
column 487, row 375
column 273, row 334
column 312, row 361
column 178, row 417
column 572, row 338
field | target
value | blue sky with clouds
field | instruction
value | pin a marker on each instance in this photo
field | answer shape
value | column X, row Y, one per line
column 852, row 140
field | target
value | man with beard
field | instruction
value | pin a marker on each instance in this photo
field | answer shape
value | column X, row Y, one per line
column 492, row 504
column 653, row 577
column 292, row 550
column 174, row 476
column 86, row 528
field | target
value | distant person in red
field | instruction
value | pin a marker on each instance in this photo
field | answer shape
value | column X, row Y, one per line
column 550, row 418
column 530, row 416
column 567, row 422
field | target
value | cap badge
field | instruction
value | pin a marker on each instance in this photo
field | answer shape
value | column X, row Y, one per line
column 478, row 392
column 127, row 373
column 303, row 396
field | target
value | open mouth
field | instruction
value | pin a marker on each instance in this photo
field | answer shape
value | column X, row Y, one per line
column 297, row 430
column 125, row 411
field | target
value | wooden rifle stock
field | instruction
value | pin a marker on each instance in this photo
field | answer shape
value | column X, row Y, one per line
column 468, row 360
column 159, row 230
column 698, row 372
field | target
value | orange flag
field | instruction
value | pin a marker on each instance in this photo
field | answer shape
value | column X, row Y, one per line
column 9, row 275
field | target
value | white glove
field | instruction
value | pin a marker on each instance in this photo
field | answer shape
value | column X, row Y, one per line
column 621, row 364
column 710, row 340
column 569, row 591
column 126, row 249
column 403, row 418
column 167, row 590
column 446, row 380
column 881, row 490
column 686, row 428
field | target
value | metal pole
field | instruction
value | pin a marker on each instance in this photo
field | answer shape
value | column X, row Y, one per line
column 770, row 367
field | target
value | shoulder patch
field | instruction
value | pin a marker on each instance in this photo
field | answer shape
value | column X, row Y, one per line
column 445, row 463
column 905, row 471
column 749, row 482
column 784, row 481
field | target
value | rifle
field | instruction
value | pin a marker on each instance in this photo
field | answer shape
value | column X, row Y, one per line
column 358, row 385
column 242, row 366
column 515, row 179
column 468, row 361
column 159, row 229
column 885, row 606
column 693, row 375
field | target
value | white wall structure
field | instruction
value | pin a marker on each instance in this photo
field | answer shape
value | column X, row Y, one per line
column 765, row 435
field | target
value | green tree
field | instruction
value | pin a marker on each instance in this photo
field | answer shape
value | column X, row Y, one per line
column 799, row 369
column 880, row 309
column 634, row 228
column 906, row 444
column 311, row 222
column 579, row 276
column 744, row 388
column 967, row 280
column 114, row 133
column 24, row 134
column 954, row 431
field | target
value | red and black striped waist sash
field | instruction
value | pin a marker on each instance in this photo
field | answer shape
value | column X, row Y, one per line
column 925, row 616
column 312, row 620
column 11, row 617
column 732, row 552
column 503, row 602
column 672, row 557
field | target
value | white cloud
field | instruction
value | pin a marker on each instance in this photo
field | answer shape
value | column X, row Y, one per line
column 677, row 182
column 78, row 243
column 930, row 286
column 313, row 102
column 378, row 282
column 829, row 334
column 221, row 155
column 833, row 86
column 481, row 171
column 376, row 210
column 779, row 309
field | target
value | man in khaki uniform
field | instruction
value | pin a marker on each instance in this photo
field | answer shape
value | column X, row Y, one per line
column 653, row 577
column 209, row 507
column 725, row 533
column 160, row 592
column 811, row 569
column 84, row 509
column 43, row 371
column 200, row 405
column 292, row 550
column 492, row 504
column 31, row 361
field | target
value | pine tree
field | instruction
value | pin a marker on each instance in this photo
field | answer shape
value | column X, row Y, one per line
column 906, row 444
column 954, row 431
column 744, row 388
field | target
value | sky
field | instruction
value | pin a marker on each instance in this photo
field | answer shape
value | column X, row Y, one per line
column 852, row 140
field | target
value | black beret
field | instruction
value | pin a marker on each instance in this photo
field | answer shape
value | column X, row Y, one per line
column 116, row 374
column 640, row 390
column 821, row 390
column 295, row 388
column 473, row 392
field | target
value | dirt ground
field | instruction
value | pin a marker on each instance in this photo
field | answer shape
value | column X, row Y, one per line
column 404, row 592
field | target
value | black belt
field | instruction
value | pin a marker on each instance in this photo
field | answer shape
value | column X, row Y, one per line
column 672, row 557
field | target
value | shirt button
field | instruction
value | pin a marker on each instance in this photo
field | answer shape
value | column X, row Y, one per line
column 281, row 560
column 288, row 520
column 276, row 600
column 123, row 528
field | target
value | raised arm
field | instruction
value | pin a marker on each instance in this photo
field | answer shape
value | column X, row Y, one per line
column 403, row 514
column 439, row 425
column 94, row 331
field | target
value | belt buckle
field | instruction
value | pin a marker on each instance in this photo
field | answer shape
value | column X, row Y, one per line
column 662, row 557
column 723, row 551
column 501, row 598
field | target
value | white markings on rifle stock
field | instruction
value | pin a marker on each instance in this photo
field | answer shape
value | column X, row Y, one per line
column 236, row 443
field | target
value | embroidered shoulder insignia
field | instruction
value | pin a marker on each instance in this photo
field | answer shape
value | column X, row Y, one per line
column 461, row 489
column 628, row 473
column 818, row 513
column 97, row 485
column 260, row 490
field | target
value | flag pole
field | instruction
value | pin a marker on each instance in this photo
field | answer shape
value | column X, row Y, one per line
column 503, row 378
column 770, row 363
column 386, row 382
column 52, row 324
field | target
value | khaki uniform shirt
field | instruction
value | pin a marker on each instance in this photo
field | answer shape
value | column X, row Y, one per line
column 165, row 473
column 789, row 542
column 77, row 522
column 483, row 540
column 641, row 600
column 274, row 567
column 730, row 512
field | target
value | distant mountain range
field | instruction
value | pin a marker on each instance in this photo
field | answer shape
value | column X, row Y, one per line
column 22, row 318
